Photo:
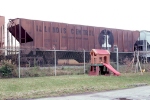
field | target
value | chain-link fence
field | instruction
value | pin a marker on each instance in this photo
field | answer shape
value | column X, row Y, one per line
column 53, row 62
column 34, row 62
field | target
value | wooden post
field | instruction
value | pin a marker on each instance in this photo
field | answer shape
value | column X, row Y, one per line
column 139, row 63
column 133, row 61
column 136, row 54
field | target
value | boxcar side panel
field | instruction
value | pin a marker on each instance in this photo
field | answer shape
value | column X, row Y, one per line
column 120, row 41
column 78, row 37
column 71, row 37
column 27, row 25
column 91, row 38
column 2, row 20
column 28, row 28
column 55, row 35
column 130, row 42
column 2, row 31
column 115, row 38
column 106, row 38
column 85, row 44
column 97, row 41
column 64, row 36
column 136, row 35
column 38, row 38
column 125, row 41
column 101, row 39
column 111, row 35
column 46, row 35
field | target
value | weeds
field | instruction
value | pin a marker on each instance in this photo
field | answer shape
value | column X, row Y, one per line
column 7, row 70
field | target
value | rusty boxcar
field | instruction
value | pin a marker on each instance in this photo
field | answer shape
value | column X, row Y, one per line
column 2, row 31
column 46, row 35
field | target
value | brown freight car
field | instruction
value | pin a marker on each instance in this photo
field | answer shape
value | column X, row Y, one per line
column 45, row 35
column 2, row 31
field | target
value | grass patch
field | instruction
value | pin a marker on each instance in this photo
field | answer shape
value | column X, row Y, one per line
column 36, row 87
column 50, row 71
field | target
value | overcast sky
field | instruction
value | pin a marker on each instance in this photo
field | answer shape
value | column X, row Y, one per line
column 122, row 14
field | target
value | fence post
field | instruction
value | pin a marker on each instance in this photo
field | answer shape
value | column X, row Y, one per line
column 19, row 62
column 117, row 59
column 55, row 59
column 116, row 50
column 20, row 45
column 84, row 60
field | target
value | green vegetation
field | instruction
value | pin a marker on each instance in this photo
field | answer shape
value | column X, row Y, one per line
column 35, row 87
column 7, row 70
column 49, row 71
